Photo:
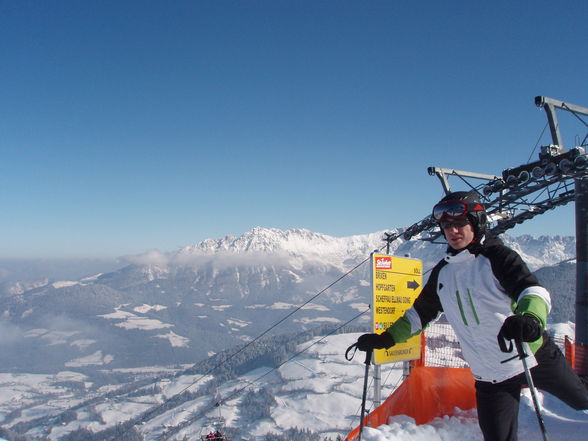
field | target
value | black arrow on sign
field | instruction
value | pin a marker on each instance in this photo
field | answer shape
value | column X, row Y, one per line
column 412, row 284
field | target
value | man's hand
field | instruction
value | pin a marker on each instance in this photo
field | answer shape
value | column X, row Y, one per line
column 524, row 327
column 368, row 342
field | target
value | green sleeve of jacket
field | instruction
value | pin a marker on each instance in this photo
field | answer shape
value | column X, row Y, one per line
column 400, row 330
column 535, row 306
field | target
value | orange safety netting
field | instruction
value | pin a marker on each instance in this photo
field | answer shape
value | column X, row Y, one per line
column 577, row 356
column 427, row 393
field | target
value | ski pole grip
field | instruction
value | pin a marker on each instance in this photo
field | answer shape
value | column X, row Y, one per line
column 368, row 356
column 505, row 348
column 520, row 349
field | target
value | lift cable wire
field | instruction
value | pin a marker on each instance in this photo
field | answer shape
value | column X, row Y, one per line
column 236, row 392
column 145, row 416
column 537, row 143
column 279, row 365
column 564, row 106
column 248, row 384
column 398, row 381
column 368, row 410
column 467, row 183
column 390, row 238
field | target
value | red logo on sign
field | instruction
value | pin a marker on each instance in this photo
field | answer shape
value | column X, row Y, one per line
column 383, row 263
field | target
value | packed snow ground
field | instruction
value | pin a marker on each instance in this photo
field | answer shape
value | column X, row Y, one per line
column 561, row 421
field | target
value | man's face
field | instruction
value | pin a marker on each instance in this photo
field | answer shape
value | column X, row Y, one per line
column 459, row 234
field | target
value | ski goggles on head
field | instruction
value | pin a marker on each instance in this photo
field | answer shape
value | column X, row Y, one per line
column 454, row 209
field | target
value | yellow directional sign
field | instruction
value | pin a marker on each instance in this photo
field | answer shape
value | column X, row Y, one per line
column 396, row 283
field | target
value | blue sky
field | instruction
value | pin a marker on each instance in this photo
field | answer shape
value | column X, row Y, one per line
column 134, row 125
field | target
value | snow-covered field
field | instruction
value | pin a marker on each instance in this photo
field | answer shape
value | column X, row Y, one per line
column 318, row 390
column 561, row 422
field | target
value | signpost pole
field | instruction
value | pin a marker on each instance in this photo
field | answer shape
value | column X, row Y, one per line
column 377, row 385
column 405, row 369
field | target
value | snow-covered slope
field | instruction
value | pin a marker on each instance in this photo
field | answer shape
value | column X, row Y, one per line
column 318, row 390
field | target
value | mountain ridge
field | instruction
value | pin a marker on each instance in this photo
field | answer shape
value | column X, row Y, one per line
column 184, row 305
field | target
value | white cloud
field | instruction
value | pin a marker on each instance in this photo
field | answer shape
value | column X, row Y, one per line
column 151, row 257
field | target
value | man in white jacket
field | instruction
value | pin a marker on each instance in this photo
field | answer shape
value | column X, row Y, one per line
column 488, row 295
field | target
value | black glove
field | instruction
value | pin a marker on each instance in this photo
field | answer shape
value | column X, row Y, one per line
column 523, row 327
column 368, row 342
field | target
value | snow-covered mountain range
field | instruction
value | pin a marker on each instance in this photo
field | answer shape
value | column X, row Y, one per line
column 183, row 306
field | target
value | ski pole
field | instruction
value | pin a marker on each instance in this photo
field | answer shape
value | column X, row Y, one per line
column 523, row 356
column 368, row 359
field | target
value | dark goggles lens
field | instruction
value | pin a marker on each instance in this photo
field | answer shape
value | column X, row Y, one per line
column 450, row 209
column 458, row 223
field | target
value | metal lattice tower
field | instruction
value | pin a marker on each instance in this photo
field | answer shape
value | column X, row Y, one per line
column 521, row 193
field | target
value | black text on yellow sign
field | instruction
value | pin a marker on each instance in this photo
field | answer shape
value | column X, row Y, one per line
column 396, row 283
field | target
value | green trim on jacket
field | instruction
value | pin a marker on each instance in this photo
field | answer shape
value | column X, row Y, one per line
column 535, row 306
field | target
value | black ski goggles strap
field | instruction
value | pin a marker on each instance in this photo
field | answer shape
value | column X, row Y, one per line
column 454, row 209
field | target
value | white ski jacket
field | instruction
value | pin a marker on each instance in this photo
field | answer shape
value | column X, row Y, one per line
column 477, row 289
